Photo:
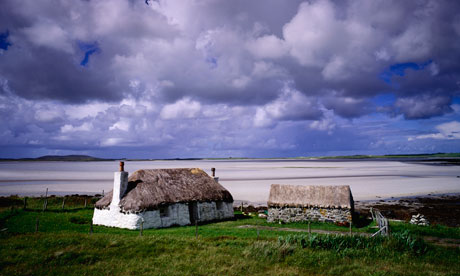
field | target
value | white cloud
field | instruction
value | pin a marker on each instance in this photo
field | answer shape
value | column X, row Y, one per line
column 224, row 65
column 45, row 114
column 123, row 125
column 241, row 82
column 49, row 34
column 423, row 106
column 456, row 107
column 456, row 25
column 83, row 110
column 446, row 131
column 262, row 119
column 291, row 105
column 67, row 128
column 434, row 68
column 314, row 33
column 382, row 54
column 112, row 141
column 335, row 69
column 325, row 124
column 184, row 108
column 268, row 46
column 414, row 43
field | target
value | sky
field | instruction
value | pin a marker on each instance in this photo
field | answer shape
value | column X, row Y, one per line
column 217, row 78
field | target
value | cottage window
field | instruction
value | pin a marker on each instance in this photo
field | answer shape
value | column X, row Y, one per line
column 220, row 205
column 164, row 211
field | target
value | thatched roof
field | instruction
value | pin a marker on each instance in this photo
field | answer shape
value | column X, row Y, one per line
column 149, row 189
column 310, row 196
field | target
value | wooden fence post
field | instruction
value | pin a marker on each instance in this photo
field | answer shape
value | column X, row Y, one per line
column 257, row 233
column 91, row 227
column 36, row 225
column 25, row 203
column 86, row 202
column 350, row 228
column 309, row 228
column 142, row 228
column 63, row 203
column 196, row 229
column 45, row 203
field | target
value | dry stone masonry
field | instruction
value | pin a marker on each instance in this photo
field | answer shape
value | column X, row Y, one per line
column 289, row 203
column 299, row 214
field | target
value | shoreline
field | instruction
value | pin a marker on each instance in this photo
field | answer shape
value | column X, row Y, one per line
column 443, row 209
column 247, row 181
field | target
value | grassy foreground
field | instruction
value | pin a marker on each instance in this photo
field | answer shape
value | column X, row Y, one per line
column 63, row 246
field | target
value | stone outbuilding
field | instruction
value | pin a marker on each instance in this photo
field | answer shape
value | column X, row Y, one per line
column 162, row 198
column 289, row 203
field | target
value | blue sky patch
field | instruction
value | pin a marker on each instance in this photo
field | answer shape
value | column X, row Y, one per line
column 4, row 44
column 385, row 99
column 456, row 100
column 88, row 49
column 399, row 69
column 212, row 61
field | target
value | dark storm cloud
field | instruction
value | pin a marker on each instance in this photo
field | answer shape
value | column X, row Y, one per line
column 185, row 74
column 423, row 106
column 209, row 50
column 46, row 74
column 47, row 60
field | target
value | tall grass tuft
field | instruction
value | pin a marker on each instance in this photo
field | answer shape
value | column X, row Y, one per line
column 403, row 242
column 276, row 252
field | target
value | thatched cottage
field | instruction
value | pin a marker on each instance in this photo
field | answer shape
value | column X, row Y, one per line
column 289, row 203
column 162, row 198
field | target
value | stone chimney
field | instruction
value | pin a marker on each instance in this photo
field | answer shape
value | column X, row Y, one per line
column 120, row 184
column 214, row 174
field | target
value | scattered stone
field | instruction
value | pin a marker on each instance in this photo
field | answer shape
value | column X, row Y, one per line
column 419, row 219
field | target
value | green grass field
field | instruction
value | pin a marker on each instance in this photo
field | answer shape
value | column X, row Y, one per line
column 64, row 246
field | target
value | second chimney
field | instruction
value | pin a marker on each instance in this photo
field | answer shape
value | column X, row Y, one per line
column 214, row 174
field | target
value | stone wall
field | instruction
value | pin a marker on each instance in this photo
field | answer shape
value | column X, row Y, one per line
column 177, row 215
column 212, row 210
column 298, row 214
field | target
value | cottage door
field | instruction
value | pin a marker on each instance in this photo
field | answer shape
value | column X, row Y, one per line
column 193, row 212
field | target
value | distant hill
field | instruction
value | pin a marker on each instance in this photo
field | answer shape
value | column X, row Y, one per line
column 69, row 158
column 60, row 158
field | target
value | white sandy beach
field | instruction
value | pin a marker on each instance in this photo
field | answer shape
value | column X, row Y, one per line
column 247, row 180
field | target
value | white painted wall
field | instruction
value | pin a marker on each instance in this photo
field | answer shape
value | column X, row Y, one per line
column 178, row 214
column 114, row 218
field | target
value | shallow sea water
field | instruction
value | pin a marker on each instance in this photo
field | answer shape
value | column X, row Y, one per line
column 247, row 180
